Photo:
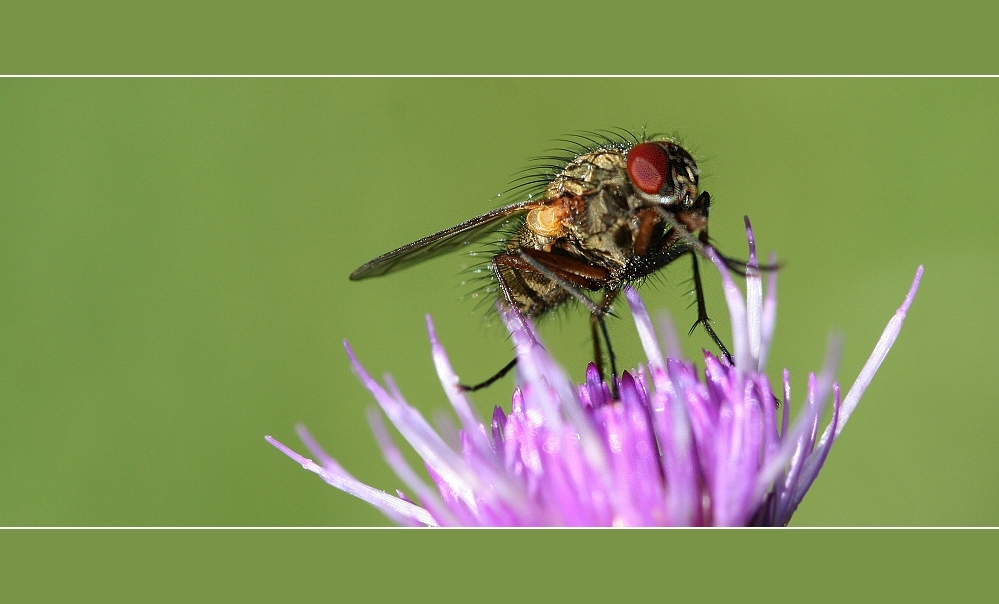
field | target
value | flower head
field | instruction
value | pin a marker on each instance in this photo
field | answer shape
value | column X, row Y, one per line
column 677, row 448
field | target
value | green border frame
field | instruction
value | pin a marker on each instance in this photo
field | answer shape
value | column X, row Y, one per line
column 306, row 38
column 497, row 565
column 511, row 37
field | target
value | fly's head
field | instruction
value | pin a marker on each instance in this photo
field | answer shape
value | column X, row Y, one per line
column 663, row 172
column 665, row 175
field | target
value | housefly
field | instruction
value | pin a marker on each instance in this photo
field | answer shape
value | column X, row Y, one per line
column 614, row 210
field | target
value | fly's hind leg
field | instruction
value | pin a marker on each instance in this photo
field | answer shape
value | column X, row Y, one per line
column 499, row 374
column 567, row 273
column 504, row 288
column 572, row 276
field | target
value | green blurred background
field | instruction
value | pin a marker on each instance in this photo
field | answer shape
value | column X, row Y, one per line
column 174, row 257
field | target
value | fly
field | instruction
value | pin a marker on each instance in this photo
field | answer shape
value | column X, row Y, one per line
column 612, row 213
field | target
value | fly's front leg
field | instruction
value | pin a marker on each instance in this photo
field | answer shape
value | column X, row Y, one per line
column 702, row 311
column 676, row 242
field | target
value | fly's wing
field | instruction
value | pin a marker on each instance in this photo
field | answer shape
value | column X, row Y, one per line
column 442, row 242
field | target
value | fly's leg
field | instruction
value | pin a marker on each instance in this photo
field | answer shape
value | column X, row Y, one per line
column 508, row 299
column 569, row 274
column 597, row 320
column 499, row 374
column 702, row 312
column 671, row 248
column 598, row 357
column 559, row 271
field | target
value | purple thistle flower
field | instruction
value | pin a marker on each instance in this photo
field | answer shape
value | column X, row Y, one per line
column 676, row 449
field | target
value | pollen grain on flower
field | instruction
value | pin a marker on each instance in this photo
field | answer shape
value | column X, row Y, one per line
column 679, row 447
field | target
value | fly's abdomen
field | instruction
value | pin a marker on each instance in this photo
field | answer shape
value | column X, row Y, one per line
column 532, row 293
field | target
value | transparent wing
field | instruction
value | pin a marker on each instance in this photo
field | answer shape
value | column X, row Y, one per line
column 442, row 242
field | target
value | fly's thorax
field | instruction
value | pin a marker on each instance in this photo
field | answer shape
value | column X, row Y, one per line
column 590, row 172
column 606, row 229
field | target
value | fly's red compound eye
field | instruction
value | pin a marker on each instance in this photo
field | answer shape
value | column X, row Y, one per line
column 647, row 166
